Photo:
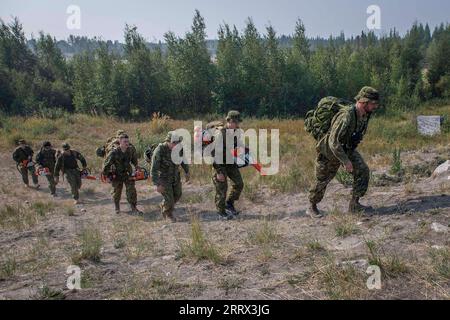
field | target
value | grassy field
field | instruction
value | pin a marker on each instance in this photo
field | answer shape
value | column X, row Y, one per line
column 386, row 134
column 272, row 251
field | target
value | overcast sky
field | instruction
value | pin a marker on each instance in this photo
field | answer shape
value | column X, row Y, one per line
column 153, row 18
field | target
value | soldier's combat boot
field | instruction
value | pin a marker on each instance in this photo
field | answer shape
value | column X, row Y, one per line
column 313, row 211
column 170, row 216
column 356, row 207
column 225, row 215
column 117, row 207
column 135, row 210
column 229, row 208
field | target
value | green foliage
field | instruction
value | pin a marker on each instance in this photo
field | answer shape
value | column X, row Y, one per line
column 260, row 74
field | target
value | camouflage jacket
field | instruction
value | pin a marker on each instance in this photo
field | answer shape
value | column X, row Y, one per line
column 221, row 134
column 20, row 154
column 69, row 161
column 113, row 143
column 346, row 132
column 46, row 158
column 120, row 162
column 163, row 169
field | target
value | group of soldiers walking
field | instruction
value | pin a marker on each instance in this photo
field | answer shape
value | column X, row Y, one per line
column 336, row 147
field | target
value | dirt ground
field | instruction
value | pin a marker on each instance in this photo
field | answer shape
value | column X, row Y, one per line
column 272, row 251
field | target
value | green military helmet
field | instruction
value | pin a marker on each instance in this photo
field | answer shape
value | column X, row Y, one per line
column 65, row 146
column 173, row 137
column 367, row 94
column 46, row 144
column 234, row 115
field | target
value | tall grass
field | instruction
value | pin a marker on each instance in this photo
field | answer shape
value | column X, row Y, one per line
column 297, row 149
column 198, row 246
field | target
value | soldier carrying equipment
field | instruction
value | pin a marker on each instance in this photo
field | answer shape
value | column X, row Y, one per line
column 165, row 174
column 23, row 156
column 339, row 128
column 46, row 160
column 68, row 165
column 117, row 170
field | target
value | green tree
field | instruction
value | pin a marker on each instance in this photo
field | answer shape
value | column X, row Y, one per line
column 190, row 70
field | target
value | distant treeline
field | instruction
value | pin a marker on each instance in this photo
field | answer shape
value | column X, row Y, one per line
column 82, row 44
column 258, row 74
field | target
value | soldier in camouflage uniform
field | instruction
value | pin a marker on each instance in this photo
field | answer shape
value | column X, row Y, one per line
column 68, row 165
column 118, row 161
column 223, row 171
column 166, row 174
column 338, row 147
column 46, row 158
column 23, row 156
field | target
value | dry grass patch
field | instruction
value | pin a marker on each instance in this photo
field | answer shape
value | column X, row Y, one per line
column 199, row 247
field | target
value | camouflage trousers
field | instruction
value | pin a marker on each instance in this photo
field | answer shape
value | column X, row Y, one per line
column 51, row 183
column 171, row 195
column 24, row 173
column 237, row 185
column 130, row 190
column 326, row 170
column 74, row 179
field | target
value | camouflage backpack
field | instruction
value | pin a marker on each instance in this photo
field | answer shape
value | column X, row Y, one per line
column 208, row 133
column 148, row 154
column 318, row 121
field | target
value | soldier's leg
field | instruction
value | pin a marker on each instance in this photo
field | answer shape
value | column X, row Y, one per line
column 78, row 183
column 237, row 184
column 130, row 189
column 51, row 184
column 325, row 172
column 221, row 192
column 177, row 191
column 24, row 174
column 34, row 177
column 71, row 177
column 168, row 203
column 116, row 192
column 361, row 175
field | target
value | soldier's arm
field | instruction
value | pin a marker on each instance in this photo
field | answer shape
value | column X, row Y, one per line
column 185, row 167
column 156, row 165
column 82, row 160
column 337, row 135
column 134, row 157
column 39, row 158
column 16, row 156
column 108, row 163
column 58, row 166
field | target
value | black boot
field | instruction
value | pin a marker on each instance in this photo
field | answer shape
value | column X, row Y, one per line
column 313, row 211
column 229, row 208
column 225, row 215
column 135, row 210
column 356, row 207
column 117, row 207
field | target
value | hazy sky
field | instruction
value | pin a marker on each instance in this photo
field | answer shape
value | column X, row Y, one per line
column 154, row 18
